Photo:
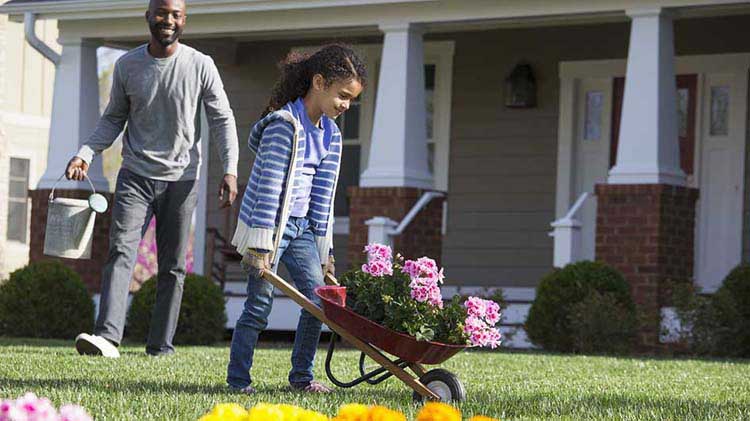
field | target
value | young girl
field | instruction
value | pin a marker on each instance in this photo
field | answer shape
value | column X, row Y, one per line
column 297, row 144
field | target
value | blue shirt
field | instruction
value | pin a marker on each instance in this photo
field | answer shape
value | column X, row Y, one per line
column 317, row 142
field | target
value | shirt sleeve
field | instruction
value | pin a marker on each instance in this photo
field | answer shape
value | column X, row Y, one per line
column 111, row 123
column 220, row 119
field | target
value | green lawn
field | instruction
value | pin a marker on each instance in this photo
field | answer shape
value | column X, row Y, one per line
column 499, row 384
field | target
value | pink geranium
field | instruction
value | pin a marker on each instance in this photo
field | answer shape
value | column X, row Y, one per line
column 425, row 280
column 379, row 261
column 31, row 408
column 479, row 325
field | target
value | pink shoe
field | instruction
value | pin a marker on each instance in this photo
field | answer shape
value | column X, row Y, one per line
column 313, row 387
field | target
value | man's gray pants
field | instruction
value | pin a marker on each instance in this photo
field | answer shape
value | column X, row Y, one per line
column 137, row 198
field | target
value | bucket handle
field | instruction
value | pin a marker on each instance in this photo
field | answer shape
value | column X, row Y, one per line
column 52, row 193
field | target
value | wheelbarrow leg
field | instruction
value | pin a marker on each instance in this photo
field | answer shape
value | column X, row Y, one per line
column 418, row 369
column 371, row 352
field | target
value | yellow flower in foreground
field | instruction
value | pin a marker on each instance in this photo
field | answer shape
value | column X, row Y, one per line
column 290, row 412
column 265, row 412
column 481, row 418
column 312, row 416
column 436, row 411
column 352, row 412
column 380, row 413
column 226, row 412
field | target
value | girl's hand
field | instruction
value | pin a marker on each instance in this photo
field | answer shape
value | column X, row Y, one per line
column 330, row 266
column 256, row 262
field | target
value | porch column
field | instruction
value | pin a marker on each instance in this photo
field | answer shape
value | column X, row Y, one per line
column 397, row 172
column 398, row 146
column 645, row 214
column 75, row 111
column 648, row 151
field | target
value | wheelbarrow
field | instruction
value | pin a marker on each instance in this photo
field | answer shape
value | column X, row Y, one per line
column 374, row 340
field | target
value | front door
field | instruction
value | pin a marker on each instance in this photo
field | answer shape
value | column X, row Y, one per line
column 720, row 178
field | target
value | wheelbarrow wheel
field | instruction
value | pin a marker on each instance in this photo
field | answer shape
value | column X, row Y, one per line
column 444, row 383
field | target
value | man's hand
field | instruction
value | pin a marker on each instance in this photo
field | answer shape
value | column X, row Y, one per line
column 76, row 170
column 227, row 190
column 330, row 266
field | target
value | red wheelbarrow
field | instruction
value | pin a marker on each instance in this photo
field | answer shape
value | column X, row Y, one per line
column 373, row 340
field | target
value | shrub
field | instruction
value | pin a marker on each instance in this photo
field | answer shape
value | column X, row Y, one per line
column 572, row 306
column 719, row 324
column 202, row 320
column 45, row 300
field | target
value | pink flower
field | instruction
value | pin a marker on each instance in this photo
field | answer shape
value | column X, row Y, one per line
column 377, row 251
column 74, row 413
column 476, row 307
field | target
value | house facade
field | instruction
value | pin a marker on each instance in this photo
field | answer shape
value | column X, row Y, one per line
column 621, row 123
column 26, row 80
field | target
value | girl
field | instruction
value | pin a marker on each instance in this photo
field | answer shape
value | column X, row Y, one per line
column 297, row 144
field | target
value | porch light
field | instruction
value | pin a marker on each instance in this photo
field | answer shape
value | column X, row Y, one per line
column 520, row 87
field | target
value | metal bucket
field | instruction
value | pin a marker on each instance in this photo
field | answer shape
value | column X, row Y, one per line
column 70, row 224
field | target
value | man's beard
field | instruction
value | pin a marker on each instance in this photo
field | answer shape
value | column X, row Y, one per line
column 165, row 41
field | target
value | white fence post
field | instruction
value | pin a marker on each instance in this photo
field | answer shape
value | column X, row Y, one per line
column 567, row 235
column 380, row 229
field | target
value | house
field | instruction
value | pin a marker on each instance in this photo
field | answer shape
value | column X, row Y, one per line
column 26, row 80
column 513, row 109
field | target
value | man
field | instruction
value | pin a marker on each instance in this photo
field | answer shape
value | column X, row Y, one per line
column 157, row 89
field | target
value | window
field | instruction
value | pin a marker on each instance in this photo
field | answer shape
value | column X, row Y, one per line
column 350, row 154
column 18, row 201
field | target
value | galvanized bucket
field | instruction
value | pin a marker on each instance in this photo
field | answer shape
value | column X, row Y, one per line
column 70, row 224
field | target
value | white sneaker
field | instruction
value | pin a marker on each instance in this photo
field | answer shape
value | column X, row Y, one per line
column 95, row 345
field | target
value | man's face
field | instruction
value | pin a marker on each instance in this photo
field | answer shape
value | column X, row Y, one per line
column 166, row 20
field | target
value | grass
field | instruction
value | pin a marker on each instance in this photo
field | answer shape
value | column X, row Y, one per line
column 500, row 384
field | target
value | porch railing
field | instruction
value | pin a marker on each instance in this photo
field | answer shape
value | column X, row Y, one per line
column 567, row 234
column 381, row 229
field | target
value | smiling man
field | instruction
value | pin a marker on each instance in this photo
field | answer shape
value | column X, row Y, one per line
column 157, row 89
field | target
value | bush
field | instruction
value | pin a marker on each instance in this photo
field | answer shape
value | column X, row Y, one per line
column 584, row 307
column 719, row 324
column 45, row 300
column 202, row 320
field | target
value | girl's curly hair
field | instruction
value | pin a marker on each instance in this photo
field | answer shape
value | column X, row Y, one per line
column 334, row 62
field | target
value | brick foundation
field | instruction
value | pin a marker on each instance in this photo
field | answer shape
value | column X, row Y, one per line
column 646, row 232
column 90, row 270
column 422, row 237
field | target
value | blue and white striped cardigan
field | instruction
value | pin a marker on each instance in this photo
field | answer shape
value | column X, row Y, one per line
column 278, row 141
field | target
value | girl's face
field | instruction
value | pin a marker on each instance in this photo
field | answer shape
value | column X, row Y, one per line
column 333, row 100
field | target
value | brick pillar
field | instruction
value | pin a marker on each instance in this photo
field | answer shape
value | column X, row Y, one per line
column 646, row 232
column 423, row 237
column 90, row 270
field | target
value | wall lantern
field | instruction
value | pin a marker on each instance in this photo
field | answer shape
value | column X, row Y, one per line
column 520, row 87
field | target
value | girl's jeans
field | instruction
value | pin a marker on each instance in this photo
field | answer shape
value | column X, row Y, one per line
column 299, row 253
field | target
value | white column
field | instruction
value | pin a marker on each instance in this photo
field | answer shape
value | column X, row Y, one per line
column 648, row 150
column 75, row 111
column 398, row 146
column 380, row 230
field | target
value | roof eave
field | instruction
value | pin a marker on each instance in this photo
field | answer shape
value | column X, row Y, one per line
column 97, row 9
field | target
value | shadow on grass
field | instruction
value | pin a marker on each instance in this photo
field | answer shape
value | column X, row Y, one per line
column 151, row 387
column 601, row 404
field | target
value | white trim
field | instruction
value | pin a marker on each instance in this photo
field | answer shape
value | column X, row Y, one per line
column 25, row 120
column 82, row 9
column 450, row 11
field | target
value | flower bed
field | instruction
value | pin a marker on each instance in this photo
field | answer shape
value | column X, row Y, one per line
column 432, row 411
column 31, row 408
column 405, row 296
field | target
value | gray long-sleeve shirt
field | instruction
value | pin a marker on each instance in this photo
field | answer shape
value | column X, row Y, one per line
column 160, row 100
